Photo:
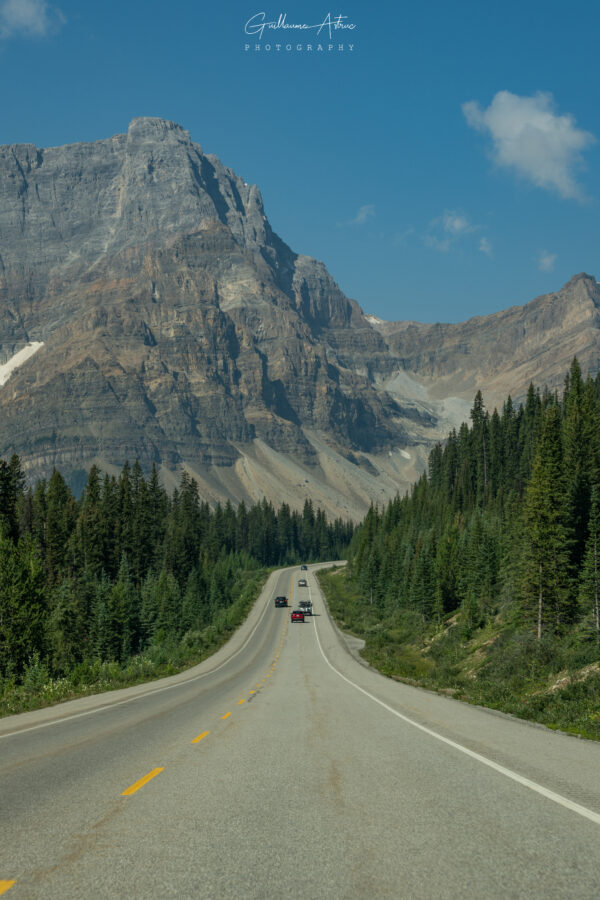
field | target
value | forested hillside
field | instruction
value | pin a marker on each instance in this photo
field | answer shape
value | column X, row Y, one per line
column 486, row 578
column 128, row 578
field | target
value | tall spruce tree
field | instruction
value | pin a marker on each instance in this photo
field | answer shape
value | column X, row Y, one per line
column 589, row 585
column 545, row 555
column 578, row 432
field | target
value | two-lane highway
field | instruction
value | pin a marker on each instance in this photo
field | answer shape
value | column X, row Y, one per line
column 284, row 768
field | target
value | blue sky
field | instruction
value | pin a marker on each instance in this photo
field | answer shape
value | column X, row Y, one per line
column 447, row 166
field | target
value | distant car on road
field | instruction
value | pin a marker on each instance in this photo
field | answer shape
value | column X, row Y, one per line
column 306, row 607
column 302, row 582
column 297, row 615
column 280, row 601
column 304, row 568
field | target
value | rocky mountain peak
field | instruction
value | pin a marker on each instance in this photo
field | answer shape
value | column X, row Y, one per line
column 155, row 129
column 172, row 324
column 582, row 289
column 147, row 309
column 581, row 276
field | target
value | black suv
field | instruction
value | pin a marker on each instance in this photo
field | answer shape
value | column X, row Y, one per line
column 280, row 601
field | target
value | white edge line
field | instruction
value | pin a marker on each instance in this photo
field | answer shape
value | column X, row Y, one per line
column 167, row 687
column 508, row 773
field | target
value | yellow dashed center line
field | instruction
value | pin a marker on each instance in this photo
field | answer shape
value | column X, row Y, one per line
column 138, row 784
column 142, row 781
column 6, row 886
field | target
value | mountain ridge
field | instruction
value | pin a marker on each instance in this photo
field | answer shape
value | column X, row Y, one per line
column 179, row 329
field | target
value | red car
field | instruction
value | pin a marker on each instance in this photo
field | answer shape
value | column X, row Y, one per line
column 297, row 615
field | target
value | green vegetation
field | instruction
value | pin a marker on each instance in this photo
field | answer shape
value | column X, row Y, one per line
column 127, row 583
column 37, row 687
column 484, row 582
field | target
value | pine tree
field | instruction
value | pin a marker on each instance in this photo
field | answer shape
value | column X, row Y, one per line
column 124, row 613
column 422, row 585
column 12, row 484
column 480, row 443
column 110, row 526
column 545, row 557
column 148, row 609
column 61, row 519
column 578, row 431
column 62, row 634
column 194, row 613
column 89, row 532
column 102, row 638
column 446, row 570
column 589, row 584
column 22, row 604
column 168, row 599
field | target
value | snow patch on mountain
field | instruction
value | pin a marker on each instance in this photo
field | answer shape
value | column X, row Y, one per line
column 7, row 368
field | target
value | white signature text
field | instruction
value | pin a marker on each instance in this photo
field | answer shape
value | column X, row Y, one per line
column 257, row 24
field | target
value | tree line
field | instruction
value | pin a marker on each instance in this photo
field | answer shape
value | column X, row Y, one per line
column 128, row 566
column 507, row 516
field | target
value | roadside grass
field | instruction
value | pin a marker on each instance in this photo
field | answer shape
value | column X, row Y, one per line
column 555, row 682
column 38, row 689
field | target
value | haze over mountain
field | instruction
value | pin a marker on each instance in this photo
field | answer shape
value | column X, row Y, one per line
column 148, row 310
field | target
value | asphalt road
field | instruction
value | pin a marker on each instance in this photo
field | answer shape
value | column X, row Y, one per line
column 284, row 768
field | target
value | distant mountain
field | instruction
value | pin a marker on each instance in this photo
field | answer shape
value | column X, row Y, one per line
column 504, row 352
column 148, row 310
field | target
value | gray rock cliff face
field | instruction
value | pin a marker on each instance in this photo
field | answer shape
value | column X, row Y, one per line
column 179, row 329
column 502, row 353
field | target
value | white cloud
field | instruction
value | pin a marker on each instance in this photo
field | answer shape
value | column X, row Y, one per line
column 444, row 232
column 532, row 139
column 546, row 261
column 365, row 213
column 28, row 18
column 485, row 246
column 455, row 223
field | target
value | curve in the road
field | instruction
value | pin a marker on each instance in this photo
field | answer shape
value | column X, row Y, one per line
column 296, row 774
column 508, row 773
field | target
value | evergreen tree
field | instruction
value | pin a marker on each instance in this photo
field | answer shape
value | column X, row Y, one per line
column 63, row 639
column 103, row 639
column 123, row 606
column 481, row 445
column 589, row 585
column 546, row 549
column 194, row 611
column 168, row 600
column 22, row 604
column 12, row 482
column 61, row 520
column 89, row 528
column 578, row 431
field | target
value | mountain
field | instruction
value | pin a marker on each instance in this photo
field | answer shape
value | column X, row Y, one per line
column 504, row 352
column 148, row 310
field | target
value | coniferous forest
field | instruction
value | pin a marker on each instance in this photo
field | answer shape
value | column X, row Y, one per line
column 485, row 579
column 128, row 582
